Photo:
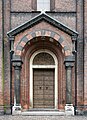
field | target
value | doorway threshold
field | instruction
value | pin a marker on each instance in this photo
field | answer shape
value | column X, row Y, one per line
column 43, row 112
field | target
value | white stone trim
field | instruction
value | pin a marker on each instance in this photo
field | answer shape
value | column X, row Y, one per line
column 69, row 109
column 43, row 66
column 43, row 5
column 48, row 66
column 14, row 100
column 16, row 110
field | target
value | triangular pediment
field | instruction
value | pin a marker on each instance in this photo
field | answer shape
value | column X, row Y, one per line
column 39, row 18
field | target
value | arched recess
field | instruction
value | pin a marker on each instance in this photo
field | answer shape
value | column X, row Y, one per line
column 43, row 33
column 55, row 67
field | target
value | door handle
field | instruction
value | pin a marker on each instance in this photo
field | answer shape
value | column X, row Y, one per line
column 40, row 88
column 46, row 88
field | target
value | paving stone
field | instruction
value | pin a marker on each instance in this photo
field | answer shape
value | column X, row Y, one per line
column 10, row 117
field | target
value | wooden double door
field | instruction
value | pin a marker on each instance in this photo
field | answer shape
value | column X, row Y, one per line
column 43, row 88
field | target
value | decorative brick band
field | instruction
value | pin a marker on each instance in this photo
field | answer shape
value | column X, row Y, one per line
column 42, row 32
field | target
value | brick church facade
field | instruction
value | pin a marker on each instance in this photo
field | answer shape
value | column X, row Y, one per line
column 43, row 56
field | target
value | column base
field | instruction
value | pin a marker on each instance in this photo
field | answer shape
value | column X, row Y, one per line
column 16, row 110
column 1, row 109
column 7, row 110
column 69, row 109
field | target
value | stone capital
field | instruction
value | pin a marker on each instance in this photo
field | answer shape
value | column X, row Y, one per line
column 11, row 38
column 69, row 64
column 74, row 37
column 69, row 61
column 17, row 61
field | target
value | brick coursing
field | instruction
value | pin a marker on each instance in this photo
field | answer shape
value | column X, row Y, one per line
column 1, row 36
column 47, row 33
column 65, row 5
column 6, row 27
column 1, row 62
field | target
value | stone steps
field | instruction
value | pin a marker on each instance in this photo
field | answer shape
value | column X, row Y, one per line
column 43, row 113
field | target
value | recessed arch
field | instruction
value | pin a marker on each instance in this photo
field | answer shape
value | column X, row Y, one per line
column 55, row 67
column 42, row 33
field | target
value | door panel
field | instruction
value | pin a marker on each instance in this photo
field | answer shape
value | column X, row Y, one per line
column 43, row 96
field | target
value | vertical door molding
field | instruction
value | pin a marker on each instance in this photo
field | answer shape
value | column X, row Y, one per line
column 56, row 76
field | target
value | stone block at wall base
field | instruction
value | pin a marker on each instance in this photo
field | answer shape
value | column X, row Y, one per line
column 81, row 110
column 7, row 110
column 85, row 112
column 16, row 110
column 1, row 110
column 69, row 109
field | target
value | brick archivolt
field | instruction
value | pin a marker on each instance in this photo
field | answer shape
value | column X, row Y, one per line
column 39, row 33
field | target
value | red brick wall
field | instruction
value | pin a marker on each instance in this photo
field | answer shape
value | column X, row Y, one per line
column 85, row 53
column 1, row 79
column 6, row 27
column 65, row 5
column 80, row 53
column 21, row 5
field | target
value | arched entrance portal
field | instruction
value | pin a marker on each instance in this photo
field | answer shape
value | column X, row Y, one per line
column 43, row 80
